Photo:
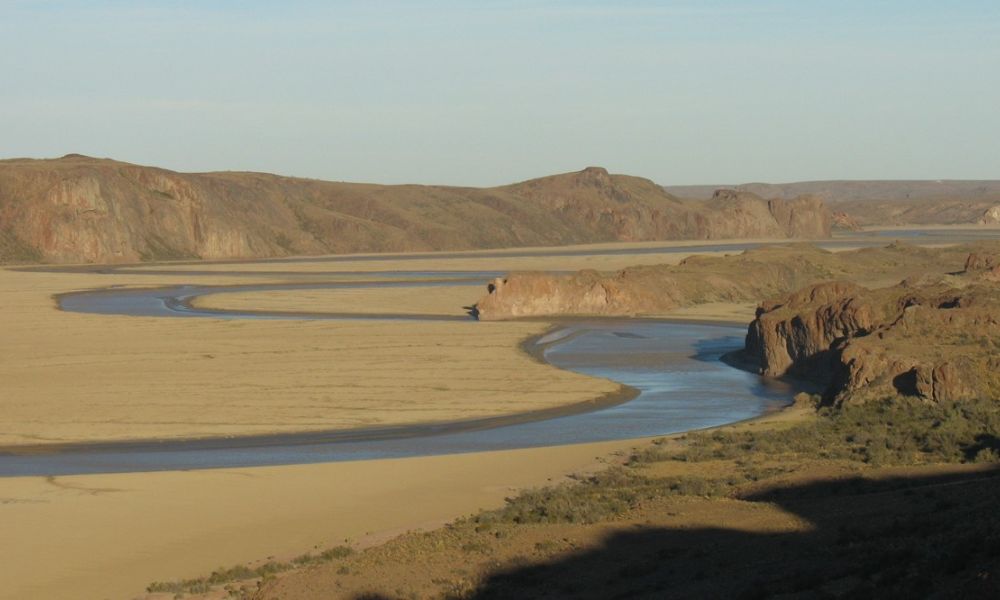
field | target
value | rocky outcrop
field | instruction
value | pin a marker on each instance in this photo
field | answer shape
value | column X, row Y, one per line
column 748, row 277
column 845, row 222
column 991, row 216
column 80, row 209
column 800, row 345
column 981, row 261
column 530, row 294
column 867, row 344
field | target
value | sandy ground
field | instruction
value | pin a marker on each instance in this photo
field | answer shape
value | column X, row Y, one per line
column 109, row 536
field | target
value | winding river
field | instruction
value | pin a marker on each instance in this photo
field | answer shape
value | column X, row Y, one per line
column 673, row 369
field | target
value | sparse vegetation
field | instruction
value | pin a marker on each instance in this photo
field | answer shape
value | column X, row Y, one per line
column 283, row 241
column 894, row 431
column 588, row 500
column 14, row 250
column 891, row 432
column 221, row 576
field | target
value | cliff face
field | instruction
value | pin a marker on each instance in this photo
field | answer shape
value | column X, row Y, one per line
column 742, row 214
column 935, row 338
column 748, row 277
column 80, row 209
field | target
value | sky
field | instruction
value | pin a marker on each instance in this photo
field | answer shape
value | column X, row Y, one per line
column 486, row 93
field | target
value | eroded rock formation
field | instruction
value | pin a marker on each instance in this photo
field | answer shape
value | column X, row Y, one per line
column 932, row 337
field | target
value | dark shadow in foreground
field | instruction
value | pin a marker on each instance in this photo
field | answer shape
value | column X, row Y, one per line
column 906, row 537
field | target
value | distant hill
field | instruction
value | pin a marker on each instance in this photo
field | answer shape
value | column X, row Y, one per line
column 880, row 202
column 82, row 209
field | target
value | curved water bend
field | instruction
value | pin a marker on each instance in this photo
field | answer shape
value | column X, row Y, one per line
column 676, row 367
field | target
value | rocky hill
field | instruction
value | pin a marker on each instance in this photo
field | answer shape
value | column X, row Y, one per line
column 81, row 209
column 937, row 202
column 748, row 277
column 934, row 337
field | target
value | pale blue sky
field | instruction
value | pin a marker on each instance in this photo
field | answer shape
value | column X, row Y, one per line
column 483, row 93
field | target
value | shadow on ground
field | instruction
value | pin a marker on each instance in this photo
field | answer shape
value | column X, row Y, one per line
column 907, row 537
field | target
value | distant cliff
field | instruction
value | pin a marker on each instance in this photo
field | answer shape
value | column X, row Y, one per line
column 81, row 209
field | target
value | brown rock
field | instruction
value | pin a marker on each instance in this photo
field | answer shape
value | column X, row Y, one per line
column 867, row 344
column 793, row 335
